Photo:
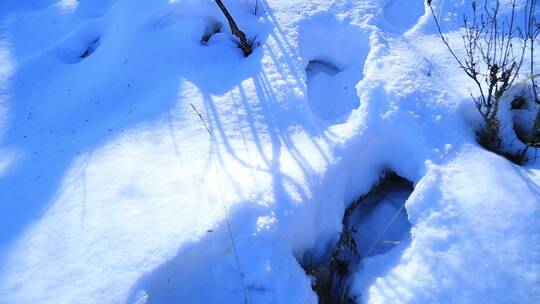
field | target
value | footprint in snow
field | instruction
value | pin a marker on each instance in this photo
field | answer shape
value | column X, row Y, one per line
column 403, row 14
column 336, row 51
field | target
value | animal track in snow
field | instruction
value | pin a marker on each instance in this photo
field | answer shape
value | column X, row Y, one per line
column 334, row 65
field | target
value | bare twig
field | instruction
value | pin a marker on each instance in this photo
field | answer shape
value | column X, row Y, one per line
column 255, row 9
column 245, row 45
column 225, row 210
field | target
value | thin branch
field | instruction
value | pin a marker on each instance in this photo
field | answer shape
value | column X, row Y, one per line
column 244, row 44
column 225, row 210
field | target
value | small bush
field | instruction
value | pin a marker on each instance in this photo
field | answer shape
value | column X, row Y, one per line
column 495, row 49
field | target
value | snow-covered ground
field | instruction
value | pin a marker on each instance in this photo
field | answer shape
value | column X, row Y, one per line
column 113, row 191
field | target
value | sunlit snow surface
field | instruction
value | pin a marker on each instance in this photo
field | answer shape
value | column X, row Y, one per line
column 112, row 190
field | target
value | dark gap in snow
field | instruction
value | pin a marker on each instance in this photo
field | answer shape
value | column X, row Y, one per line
column 79, row 46
column 212, row 27
column 320, row 66
column 372, row 225
column 384, row 204
column 90, row 49
column 518, row 103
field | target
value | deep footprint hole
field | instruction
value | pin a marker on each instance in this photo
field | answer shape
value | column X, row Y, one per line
column 374, row 224
column 384, row 205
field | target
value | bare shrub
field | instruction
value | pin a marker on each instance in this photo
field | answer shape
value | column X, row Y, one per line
column 495, row 48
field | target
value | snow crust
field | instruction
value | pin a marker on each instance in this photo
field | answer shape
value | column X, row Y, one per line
column 113, row 191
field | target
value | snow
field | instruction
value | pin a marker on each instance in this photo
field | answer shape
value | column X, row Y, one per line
column 113, row 191
column 474, row 232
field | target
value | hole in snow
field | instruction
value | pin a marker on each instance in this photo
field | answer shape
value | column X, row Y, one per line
column 373, row 225
column 335, row 52
column 320, row 66
column 79, row 46
column 212, row 27
column 380, row 219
